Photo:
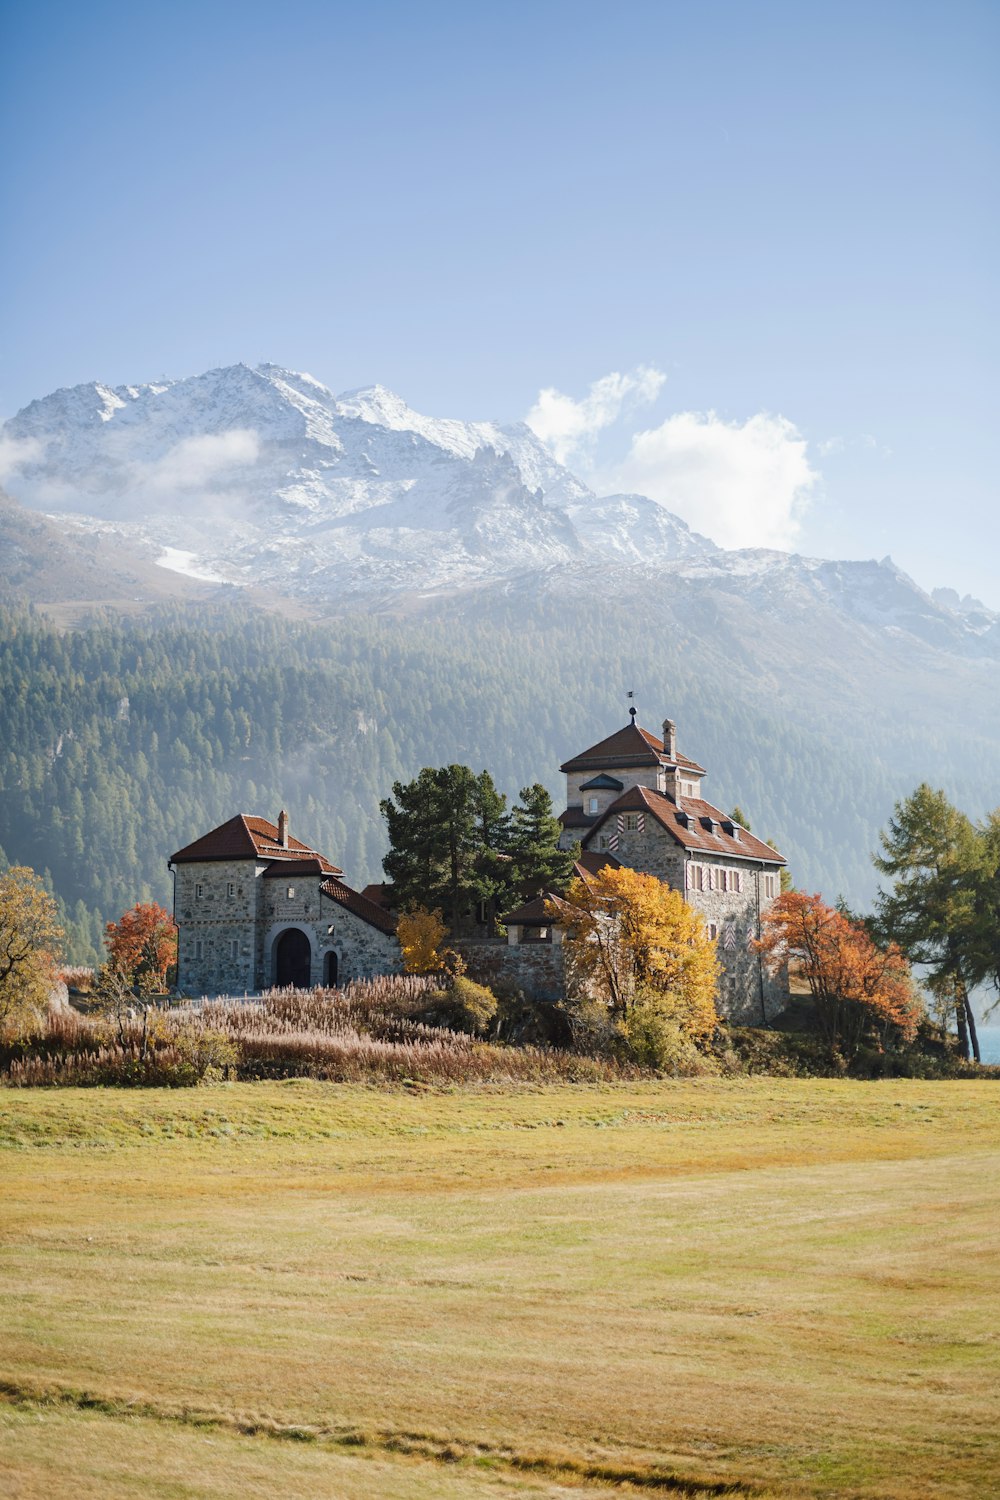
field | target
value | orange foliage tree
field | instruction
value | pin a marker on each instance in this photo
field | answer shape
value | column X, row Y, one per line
column 142, row 945
column 857, row 986
column 632, row 941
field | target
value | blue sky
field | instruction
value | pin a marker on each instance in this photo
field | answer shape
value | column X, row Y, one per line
column 788, row 211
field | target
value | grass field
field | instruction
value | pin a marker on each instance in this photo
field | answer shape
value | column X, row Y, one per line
column 755, row 1287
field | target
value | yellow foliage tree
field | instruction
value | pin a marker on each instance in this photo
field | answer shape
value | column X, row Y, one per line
column 632, row 941
column 421, row 933
column 30, row 943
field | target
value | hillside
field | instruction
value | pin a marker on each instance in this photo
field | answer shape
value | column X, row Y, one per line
column 123, row 740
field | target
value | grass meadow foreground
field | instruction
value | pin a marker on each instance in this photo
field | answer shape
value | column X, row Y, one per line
column 760, row 1286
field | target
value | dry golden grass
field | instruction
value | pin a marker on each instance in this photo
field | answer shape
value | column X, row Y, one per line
column 782, row 1286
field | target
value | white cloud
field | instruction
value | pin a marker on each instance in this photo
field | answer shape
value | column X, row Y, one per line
column 15, row 453
column 198, row 461
column 569, row 428
column 743, row 484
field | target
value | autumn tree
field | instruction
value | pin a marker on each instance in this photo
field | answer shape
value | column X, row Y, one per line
column 856, row 985
column 421, row 935
column 934, row 858
column 30, row 944
column 142, row 945
column 633, row 942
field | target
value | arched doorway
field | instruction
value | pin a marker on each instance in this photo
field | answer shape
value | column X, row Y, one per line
column 330, row 968
column 292, row 959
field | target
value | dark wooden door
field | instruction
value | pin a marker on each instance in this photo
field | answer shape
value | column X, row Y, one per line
column 292, row 960
column 330, row 971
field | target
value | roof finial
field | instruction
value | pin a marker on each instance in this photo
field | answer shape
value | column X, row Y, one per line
column 632, row 708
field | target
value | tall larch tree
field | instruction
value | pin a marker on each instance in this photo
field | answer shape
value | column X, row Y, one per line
column 933, row 857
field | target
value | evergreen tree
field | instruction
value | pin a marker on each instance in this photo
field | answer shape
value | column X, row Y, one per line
column 986, row 932
column 933, row 855
column 437, row 827
column 537, row 862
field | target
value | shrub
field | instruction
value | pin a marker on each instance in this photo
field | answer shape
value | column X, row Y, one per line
column 368, row 1032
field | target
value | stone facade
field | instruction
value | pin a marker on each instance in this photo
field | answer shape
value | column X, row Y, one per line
column 660, row 825
column 257, row 918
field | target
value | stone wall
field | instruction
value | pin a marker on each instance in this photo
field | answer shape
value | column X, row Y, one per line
column 535, row 968
column 223, row 914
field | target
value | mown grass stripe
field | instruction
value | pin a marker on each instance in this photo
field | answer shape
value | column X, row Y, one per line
column 651, row 1477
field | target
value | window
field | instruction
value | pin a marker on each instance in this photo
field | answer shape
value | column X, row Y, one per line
column 199, row 948
column 725, row 879
column 231, row 889
column 234, row 948
column 593, row 804
column 291, row 892
column 631, row 822
column 199, row 891
column 713, row 931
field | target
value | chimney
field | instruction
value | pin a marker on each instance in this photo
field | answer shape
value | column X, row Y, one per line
column 283, row 829
column 670, row 739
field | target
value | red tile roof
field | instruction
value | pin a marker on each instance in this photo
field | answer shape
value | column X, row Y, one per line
column 380, row 892
column 630, row 746
column 246, row 837
column 353, row 901
column 592, row 862
column 692, row 835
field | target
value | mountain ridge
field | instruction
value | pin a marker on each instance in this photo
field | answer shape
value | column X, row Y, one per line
column 259, row 474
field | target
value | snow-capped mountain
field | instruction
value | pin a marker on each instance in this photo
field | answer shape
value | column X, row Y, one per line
column 263, row 477
column 264, row 472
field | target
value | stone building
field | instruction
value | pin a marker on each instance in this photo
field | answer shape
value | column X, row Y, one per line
column 256, row 907
column 636, row 800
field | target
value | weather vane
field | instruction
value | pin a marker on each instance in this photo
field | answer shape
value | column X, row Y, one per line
column 632, row 708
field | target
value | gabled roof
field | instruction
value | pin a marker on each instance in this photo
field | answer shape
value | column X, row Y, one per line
column 686, row 825
column 630, row 746
column 534, row 913
column 360, row 906
column 246, row 837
